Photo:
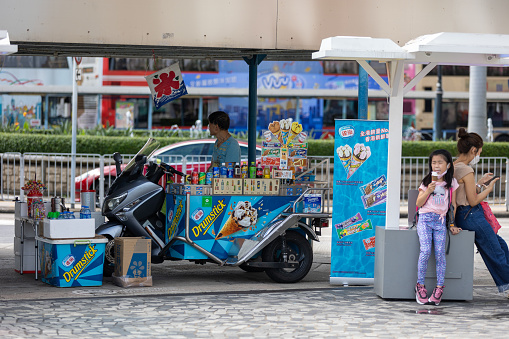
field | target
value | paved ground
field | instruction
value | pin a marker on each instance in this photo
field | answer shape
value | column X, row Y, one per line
column 210, row 301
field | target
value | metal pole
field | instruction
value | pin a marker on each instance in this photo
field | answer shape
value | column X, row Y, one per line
column 150, row 114
column 297, row 111
column 363, row 93
column 74, row 120
column 437, row 114
column 46, row 109
column 253, row 63
column 200, row 110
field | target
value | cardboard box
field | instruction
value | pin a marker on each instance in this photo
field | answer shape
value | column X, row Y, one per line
column 132, row 262
column 20, row 209
column 28, row 264
column 28, row 229
column 271, row 161
column 292, row 189
column 72, row 262
column 312, row 203
column 261, row 186
column 227, row 186
column 197, row 189
column 69, row 228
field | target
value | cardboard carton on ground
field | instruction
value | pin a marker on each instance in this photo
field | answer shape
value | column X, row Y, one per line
column 132, row 262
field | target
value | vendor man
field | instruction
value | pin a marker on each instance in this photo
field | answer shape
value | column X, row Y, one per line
column 226, row 148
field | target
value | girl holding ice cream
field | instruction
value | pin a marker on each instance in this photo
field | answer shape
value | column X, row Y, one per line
column 436, row 192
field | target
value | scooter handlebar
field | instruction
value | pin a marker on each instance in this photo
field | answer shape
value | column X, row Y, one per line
column 171, row 169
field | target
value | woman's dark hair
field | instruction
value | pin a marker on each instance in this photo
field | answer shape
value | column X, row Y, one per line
column 221, row 119
column 467, row 141
column 450, row 171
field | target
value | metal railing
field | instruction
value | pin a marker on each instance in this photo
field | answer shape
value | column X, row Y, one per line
column 54, row 169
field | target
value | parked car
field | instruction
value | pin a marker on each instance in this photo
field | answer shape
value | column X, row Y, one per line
column 200, row 150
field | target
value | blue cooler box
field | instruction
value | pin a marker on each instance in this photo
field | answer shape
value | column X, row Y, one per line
column 72, row 262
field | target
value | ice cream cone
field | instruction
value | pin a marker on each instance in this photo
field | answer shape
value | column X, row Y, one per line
column 345, row 155
column 275, row 129
column 359, row 156
column 230, row 227
column 242, row 217
column 294, row 131
column 279, row 136
column 355, row 163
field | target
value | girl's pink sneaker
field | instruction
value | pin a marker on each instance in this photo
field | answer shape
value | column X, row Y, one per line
column 436, row 296
column 421, row 294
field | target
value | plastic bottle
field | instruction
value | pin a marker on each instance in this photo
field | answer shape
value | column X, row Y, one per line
column 236, row 171
column 85, row 213
column 252, row 171
column 70, row 215
column 259, row 171
column 244, row 171
column 229, row 173
column 266, row 172
column 223, row 171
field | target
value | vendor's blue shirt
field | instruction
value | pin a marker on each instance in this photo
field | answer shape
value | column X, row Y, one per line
column 229, row 151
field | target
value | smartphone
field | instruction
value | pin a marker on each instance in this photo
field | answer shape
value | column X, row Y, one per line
column 488, row 182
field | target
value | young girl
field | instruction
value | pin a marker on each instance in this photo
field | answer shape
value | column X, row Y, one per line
column 433, row 201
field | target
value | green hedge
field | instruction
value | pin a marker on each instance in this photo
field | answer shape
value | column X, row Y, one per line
column 24, row 143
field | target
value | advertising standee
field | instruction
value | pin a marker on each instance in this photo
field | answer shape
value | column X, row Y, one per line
column 360, row 193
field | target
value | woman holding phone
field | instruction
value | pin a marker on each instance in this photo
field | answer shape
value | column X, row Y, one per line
column 470, row 215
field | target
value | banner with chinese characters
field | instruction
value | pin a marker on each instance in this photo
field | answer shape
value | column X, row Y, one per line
column 166, row 85
column 360, row 193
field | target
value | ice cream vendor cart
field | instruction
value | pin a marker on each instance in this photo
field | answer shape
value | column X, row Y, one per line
column 256, row 224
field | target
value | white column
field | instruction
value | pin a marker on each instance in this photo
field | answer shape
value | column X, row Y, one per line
column 477, row 105
column 395, row 139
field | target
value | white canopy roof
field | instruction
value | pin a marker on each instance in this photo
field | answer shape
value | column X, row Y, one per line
column 5, row 44
column 441, row 48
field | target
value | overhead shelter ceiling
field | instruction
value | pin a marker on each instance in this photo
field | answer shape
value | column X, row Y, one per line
column 224, row 29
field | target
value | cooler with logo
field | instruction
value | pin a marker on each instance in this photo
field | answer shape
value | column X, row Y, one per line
column 72, row 262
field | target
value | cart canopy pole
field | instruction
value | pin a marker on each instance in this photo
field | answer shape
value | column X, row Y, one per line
column 253, row 63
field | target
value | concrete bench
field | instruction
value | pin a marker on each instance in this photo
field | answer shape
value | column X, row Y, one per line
column 396, row 256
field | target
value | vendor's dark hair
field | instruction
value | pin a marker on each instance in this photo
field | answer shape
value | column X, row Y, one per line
column 221, row 119
column 468, row 140
column 450, row 171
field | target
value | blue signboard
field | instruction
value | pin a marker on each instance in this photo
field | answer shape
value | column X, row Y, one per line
column 360, row 193
column 218, row 222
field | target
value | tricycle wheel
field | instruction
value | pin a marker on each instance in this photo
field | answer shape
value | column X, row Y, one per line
column 247, row 268
column 109, row 258
column 299, row 251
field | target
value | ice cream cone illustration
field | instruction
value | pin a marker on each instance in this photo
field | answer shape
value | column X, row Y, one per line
column 276, row 130
column 345, row 155
column 294, row 131
column 243, row 216
column 285, row 129
column 360, row 154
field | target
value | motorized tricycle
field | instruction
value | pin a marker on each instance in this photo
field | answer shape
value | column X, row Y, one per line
column 255, row 232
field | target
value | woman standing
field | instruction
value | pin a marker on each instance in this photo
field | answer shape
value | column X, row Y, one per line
column 470, row 215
